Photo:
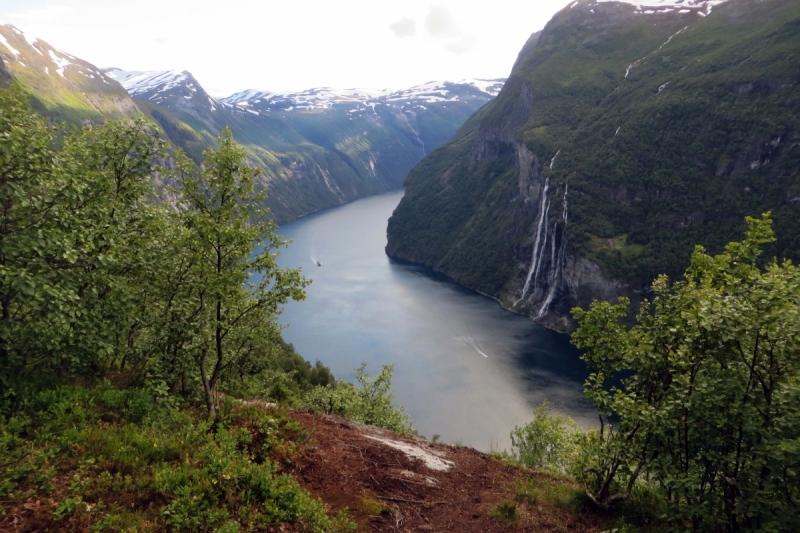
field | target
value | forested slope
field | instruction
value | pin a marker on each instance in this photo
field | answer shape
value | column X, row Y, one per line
column 621, row 139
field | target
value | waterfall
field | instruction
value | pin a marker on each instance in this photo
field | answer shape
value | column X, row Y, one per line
column 419, row 139
column 557, row 265
column 544, row 208
column 544, row 291
column 553, row 161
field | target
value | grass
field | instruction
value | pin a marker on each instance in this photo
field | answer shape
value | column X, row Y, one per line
column 561, row 493
column 111, row 460
column 505, row 512
column 599, row 249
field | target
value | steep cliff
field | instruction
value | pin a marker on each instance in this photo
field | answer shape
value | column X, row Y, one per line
column 623, row 136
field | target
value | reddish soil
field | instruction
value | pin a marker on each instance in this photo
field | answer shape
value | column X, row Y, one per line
column 345, row 466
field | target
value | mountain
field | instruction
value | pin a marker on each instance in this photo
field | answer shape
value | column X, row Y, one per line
column 319, row 147
column 62, row 86
column 626, row 133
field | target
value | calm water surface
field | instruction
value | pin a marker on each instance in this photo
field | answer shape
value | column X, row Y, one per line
column 466, row 369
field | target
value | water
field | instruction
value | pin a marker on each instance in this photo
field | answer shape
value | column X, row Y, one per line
column 466, row 369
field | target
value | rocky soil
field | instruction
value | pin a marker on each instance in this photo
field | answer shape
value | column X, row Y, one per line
column 400, row 483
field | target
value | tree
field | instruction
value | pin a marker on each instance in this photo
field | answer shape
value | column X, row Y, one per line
column 74, row 231
column 702, row 396
column 237, row 288
column 100, row 275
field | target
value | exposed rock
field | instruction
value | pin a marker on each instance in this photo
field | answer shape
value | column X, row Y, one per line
column 530, row 173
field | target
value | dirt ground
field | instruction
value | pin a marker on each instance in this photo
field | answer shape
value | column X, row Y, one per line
column 396, row 483
column 389, row 483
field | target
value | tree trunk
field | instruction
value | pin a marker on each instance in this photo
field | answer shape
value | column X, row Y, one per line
column 207, row 386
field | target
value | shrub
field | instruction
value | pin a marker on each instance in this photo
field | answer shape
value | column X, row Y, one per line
column 549, row 442
column 371, row 403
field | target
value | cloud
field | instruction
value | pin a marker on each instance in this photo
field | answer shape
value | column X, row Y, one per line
column 441, row 25
column 441, row 22
column 461, row 45
column 404, row 28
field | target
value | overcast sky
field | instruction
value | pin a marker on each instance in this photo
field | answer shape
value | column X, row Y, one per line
column 233, row 45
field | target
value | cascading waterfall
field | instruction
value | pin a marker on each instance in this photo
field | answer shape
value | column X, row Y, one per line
column 556, row 264
column 419, row 139
column 544, row 208
column 545, row 274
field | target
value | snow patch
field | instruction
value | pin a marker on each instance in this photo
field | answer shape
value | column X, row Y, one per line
column 61, row 62
column 32, row 41
column 701, row 7
column 137, row 83
column 5, row 43
column 355, row 100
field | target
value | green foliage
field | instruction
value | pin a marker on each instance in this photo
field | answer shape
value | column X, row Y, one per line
column 371, row 403
column 115, row 468
column 98, row 279
column 556, row 492
column 700, row 398
column 370, row 504
column 547, row 443
column 280, row 375
column 506, row 512
column 75, row 246
column 650, row 173
column 236, row 288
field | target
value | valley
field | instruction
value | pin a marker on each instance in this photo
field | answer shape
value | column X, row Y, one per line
column 484, row 368
column 317, row 148
column 566, row 299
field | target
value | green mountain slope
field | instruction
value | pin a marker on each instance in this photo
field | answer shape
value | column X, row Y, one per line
column 320, row 147
column 314, row 153
column 62, row 86
column 620, row 140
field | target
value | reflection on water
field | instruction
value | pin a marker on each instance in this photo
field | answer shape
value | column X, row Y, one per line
column 466, row 369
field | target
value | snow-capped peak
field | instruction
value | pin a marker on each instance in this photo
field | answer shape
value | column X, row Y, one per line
column 136, row 82
column 24, row 50
column 701, row 7
column 491, row 87
column 360, row 99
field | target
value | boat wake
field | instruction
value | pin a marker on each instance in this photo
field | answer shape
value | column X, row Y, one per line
column 466, row 336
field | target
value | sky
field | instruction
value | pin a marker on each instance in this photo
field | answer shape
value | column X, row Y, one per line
column 234, row 45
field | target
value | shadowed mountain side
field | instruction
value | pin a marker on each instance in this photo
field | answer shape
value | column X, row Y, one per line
column 623, row 136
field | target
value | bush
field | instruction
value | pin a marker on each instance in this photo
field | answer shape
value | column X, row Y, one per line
column 701, row 396
column 549, row 442
column 109, row 464
column 372, row 403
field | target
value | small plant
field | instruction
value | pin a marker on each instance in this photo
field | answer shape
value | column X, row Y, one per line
column 505, row 511
column 550, row 491
column 67, row 507
column 124, row 455
column 370, row 503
